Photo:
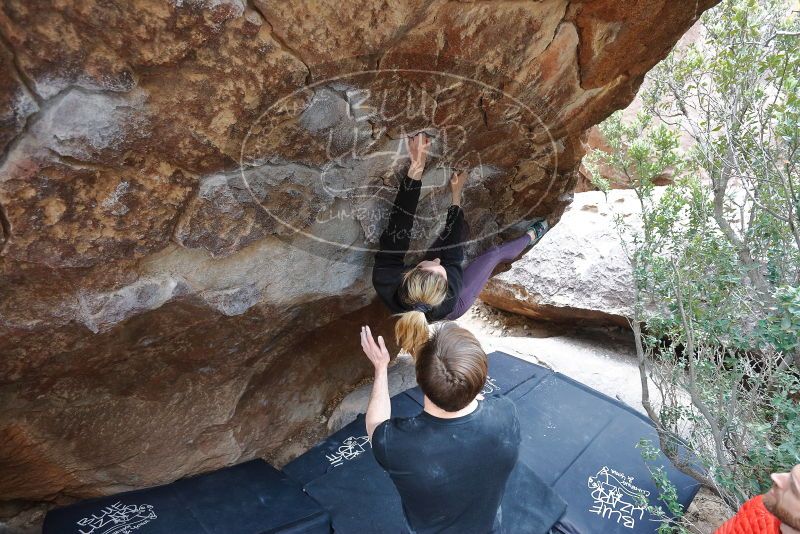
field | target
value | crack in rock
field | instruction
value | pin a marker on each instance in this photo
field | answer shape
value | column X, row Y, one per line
column 26, row 81
column 281, row 42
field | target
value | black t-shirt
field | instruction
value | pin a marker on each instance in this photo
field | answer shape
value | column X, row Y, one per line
column 389, row 267
column 451, row 473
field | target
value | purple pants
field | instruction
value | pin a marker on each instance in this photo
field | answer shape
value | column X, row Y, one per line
column 477, row 273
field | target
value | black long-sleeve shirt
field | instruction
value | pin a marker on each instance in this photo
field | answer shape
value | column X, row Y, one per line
column 387, row 274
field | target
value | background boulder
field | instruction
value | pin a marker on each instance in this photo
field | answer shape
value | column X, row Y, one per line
column 579, row 272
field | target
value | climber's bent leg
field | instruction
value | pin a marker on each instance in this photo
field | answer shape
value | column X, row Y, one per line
column 477, row 273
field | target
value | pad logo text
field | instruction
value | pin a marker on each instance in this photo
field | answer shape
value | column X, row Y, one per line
column 117, row 518
column 616, row 498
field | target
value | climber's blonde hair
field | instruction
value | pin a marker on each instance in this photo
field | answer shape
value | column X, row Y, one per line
column 418, row 287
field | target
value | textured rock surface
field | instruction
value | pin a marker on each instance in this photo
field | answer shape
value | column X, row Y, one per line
column 163, row 313
column 594, row 139
column 579, row 272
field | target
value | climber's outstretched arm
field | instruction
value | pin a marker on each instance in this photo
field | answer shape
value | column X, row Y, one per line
column 394, row 242
column 397, row 235
column 450, row 243
column 380, row 407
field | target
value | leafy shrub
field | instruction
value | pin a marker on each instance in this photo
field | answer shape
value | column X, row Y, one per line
column 716, row 255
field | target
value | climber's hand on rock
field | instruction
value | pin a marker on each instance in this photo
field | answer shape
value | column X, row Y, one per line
column 457, row 183
column 376, row 352
column 418, row 147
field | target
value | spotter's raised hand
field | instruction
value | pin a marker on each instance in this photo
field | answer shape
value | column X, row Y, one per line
column 376, row 352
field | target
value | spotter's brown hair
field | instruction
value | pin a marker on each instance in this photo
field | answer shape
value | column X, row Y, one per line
column 451, row 367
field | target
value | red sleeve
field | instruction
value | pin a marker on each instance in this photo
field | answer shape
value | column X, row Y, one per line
column 752, row 518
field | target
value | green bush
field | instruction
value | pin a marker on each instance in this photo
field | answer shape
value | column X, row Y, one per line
column 716, row 255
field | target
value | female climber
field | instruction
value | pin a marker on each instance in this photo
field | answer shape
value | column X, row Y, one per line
column 437, row 287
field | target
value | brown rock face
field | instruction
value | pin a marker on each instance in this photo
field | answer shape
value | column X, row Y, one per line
column 191, row 192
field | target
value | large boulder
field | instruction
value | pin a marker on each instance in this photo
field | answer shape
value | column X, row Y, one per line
column 579, row 272
column 191, row 192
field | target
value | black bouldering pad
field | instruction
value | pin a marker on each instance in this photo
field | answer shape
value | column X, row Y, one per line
column 605, row 490
column 360, row 498
column 344, row 445
column 156, row 510
column 249, row 498
column 558, row 421
column 580, row 442
column 505, row 374
column 584, row 444
column 529, row 505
